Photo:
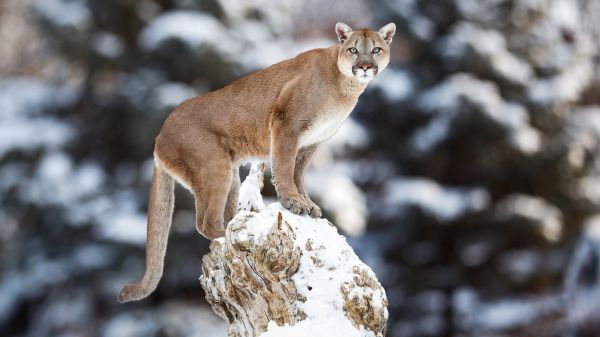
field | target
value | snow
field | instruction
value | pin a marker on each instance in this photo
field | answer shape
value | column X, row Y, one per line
column 192, row 27
column 191, row 320
column 444, row 203
column 396, row 85
column 592, row 228
column 329, row 181
column 276, row 15
column 249, row 197
column 520, row 265
column 34, row 276
column 566, row 86
column 504, row 315
column 315, row 328
column 107, row 44
column 569, row 64
column 319, row 283
column 124, row 226
column 491, row 46
column 419, row 25
column 445, row 103
column 22, row 101
column 351, row 135
column 28, row 135
column 268, row 52
column 65, row 13
column 130, row 324
column 580, row 294
column 250, row 43
column 339, row 195
column 547, row 217
column 59, row 182
column 475, row 10
column 565, row 13
column 171, row 94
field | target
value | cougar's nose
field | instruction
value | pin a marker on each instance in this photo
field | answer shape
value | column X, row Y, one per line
column 365, row 66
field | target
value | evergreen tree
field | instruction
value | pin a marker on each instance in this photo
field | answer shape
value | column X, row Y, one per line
column 493, row 163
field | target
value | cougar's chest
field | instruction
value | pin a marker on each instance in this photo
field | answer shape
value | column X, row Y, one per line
column 324, row 126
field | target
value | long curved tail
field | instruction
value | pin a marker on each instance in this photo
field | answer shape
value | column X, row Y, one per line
column 160, row 213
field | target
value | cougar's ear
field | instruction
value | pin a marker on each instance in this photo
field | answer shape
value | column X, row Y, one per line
column 387, row 32
column 343, row 31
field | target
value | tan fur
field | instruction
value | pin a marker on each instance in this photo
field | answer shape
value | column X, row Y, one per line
column 276, row 113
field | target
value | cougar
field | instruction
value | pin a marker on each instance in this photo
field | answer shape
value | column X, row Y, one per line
column 282, row 112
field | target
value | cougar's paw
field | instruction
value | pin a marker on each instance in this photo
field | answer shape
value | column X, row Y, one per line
column 315, row 210
column 295, row 204
column 213, row 231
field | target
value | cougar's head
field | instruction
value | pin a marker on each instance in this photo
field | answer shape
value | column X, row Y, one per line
column 363, row 52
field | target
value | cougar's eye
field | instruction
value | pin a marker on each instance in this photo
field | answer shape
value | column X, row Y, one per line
column 353, row 50
column 376, row 50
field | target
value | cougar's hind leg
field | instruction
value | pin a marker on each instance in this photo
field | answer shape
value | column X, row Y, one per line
column 211, row 186
column 231, row 206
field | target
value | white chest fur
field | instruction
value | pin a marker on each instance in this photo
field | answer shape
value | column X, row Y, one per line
column 324, row 127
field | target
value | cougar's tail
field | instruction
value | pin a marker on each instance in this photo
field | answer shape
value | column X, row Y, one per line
column 160, row 212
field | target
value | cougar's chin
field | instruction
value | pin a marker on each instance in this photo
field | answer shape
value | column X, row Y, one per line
column 364, row 76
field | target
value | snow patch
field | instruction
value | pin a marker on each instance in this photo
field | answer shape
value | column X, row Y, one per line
column 65, row 13
column 446, row 101
column 315, row 328
column 547, row 216
column 194, row 28
column 171, row 94
column 396, row 85
column 444, row 203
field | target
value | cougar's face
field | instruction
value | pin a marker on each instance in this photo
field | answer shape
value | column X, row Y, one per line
column 363, row 53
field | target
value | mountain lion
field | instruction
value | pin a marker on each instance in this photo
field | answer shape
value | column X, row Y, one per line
column 283, row 112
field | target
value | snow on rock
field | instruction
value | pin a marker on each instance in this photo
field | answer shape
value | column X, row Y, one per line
column 314, row 328
column 290, row 275
column 250, row 198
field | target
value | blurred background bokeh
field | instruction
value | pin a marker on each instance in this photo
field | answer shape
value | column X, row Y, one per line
column 468, row 176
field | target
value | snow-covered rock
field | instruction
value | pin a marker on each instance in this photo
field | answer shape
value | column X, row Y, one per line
column 290, row 275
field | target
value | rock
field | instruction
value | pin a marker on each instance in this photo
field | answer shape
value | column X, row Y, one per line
column 290, row 275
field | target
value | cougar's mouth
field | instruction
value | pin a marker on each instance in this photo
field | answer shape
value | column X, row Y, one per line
column 364, row 75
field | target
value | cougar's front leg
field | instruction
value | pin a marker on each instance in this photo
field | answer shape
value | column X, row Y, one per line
column 303, row 160
column 284, row 148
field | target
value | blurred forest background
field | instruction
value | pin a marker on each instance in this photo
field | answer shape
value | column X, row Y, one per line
column 468, row 176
